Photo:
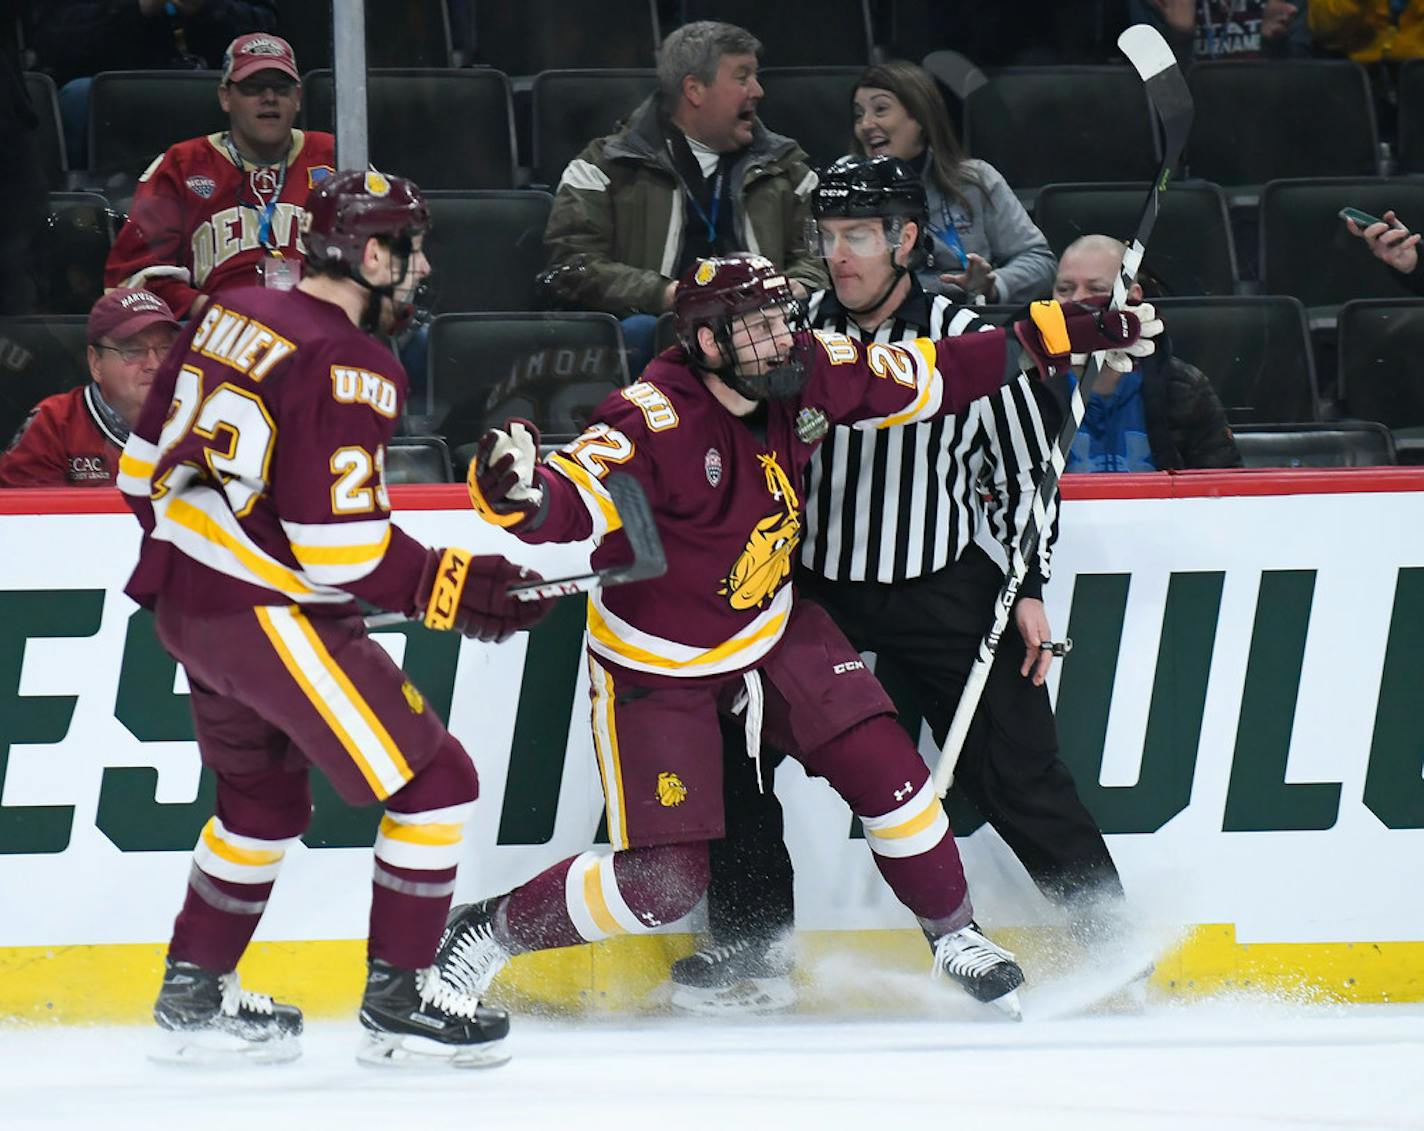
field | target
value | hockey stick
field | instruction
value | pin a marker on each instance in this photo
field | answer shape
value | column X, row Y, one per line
column 649, row 560
column 1167, row 91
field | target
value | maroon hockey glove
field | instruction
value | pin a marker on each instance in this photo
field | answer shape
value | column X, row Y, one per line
column 502, row 481
column 470, row 593
column 1054, row 332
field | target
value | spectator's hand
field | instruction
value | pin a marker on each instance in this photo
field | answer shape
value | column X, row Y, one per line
column 1276, row 18
column 1179, row 15
column 504, row 488
column 1391, row 242
column 1032, row 623
column 976, row 279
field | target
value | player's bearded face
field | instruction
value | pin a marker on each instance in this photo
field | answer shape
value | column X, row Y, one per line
column 406, row 273
column 760, row 340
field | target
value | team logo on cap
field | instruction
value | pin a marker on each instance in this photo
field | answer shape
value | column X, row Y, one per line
column 712, row 465
column 376, row 184
column 705, row 272
column 202, row 186
column 263, row 47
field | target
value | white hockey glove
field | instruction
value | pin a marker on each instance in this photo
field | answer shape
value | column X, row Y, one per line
column 1122, row 360
column 504, row 488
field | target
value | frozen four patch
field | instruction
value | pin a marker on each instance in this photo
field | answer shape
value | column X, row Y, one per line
column 712, row 465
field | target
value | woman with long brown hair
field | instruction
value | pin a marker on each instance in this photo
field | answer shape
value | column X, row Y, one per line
column 984, row 243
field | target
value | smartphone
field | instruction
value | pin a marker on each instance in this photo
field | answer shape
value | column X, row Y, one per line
column 1362, row 219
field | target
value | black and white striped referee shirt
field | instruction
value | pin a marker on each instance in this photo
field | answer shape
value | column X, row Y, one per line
column 891, row 504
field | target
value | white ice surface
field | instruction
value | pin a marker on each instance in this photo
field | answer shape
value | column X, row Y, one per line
column 1242, row 1066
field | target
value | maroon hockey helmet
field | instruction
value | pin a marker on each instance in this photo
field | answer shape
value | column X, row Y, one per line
column 715, row 292
column 348, row 208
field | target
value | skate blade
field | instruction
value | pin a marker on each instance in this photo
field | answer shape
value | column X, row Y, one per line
column 1009, row 1005
column 200, row 1049
column 749, row 996
column 394, row 1050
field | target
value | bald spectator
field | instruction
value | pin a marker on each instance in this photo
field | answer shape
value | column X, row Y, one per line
column 73, row 439
column 1162, row 416
column 692, row 173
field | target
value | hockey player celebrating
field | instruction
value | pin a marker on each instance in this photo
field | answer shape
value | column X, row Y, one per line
column 891, row 552
column 719, row 435
column 257, row 470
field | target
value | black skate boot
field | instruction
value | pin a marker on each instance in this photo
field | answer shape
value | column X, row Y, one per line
column 986, row 971
column 745, row 976
column 414, row 1017
column 209, row 1018
column 469, row 955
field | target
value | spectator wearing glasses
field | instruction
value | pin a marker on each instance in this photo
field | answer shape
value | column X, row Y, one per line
column 226, row 209
column 73, row 439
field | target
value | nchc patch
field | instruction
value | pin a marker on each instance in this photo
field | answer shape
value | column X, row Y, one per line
column 671, row 791
column 712, row 465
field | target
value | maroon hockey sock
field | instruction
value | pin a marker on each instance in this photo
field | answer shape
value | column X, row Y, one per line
column 216, row 922
column 408, row 909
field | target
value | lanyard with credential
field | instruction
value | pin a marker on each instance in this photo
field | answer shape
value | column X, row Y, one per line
column 264, row 223
column 710, row 222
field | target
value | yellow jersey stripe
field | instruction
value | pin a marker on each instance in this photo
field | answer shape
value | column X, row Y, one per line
column 586, row 485
column 421, row 834
column 610, row 766
column 139, row 469
column 918, row 823
column 599, row 630
column 597, row 905
column 341, row 555
column 250, row 857
column 273, row 574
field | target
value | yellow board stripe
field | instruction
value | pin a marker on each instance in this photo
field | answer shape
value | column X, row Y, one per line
column 342, row 555
column 191, row 518
column 585, row 483
column 915, row 824
column 249, row 857
column 421, row 834
column 352, row 748
column 597, row 905
column 599, row 630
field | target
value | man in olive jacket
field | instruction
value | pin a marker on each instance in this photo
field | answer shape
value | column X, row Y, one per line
column 693, row 173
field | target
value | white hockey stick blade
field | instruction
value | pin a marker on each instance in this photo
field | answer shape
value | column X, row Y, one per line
column 1146, row 50
column 956, row 71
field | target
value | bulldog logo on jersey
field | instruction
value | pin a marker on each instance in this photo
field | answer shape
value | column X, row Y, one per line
column 413, row 698
column 765, row 563
column 671, row 791
column 712, row 465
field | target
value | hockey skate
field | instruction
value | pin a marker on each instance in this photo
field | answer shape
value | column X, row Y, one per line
column 745, row 976
column 986, row 971
column 469, row 955
column 415, row 1018
column 208, row 1018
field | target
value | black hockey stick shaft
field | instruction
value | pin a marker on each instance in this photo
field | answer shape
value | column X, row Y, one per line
column 1172, row 102
column 649, row 559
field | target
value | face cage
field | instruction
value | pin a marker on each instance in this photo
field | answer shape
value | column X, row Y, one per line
column 772, row 373
column 418, row 310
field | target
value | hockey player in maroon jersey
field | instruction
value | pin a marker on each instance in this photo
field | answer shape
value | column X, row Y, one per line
column 257, row 470
column 225, row 209
column 719, row 434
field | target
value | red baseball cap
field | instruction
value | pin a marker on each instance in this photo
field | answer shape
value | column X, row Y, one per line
column 258, row 51
column 122, row 314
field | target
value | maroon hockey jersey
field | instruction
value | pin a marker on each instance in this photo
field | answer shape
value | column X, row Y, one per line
column 70, row 439
column 197, row 216
column 258, row 463
column 726, row 497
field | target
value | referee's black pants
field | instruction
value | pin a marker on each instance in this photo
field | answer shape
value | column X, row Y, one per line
column 930, row 629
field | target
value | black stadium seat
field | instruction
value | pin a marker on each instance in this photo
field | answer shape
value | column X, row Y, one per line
column 1255, row 351
column 571, row 108
column 1191, row 251
column 487, row 248
column 49, row 135
column 1411, row 117
column 1306, row 250
column 812, row 105
column 553, row 369
column 444, row 129
column 72, row 250
column 38, row 357
column 1339, row 443
column 135, row 115
column 399, row 33
column 539, row 35
column 418, row 459
column 1381, row 343
column 1040, row 125
column 1281, row 118
column 797, row 33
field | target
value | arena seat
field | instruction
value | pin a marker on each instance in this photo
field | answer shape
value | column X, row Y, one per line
column 797, row 33
column 49, row 134
column 418, row 459
column 541, row 35
column 811, row 105
column 399, row 33
column 72, row 250
column 39, row 356
column 135, row 115
column 1338, row 443
column 486, row 249
column 1381, row 342
column 571, row 108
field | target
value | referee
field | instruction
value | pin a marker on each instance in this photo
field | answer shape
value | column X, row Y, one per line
column 896, row 522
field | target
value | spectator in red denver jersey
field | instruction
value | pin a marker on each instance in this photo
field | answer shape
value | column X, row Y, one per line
column 225, row 209
column 73, row 439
